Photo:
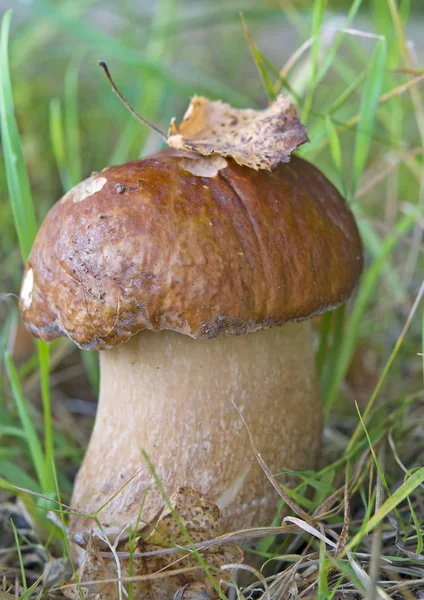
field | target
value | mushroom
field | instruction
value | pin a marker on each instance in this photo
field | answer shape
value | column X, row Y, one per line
column 197, row 290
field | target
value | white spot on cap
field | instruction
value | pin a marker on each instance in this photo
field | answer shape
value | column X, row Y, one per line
column 27, row 287
column 83, row 190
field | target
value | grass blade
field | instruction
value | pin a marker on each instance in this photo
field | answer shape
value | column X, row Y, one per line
column 259, row 62
column 57, row 138
column 26, row 228
column 16, row 476
column 71, row 120
column 367, row 113
column 336, row 151
column 90, row 360
column 422, row 343
column 335, row 349
column 18, row 550
column 44, row 360
column 332, row 52
column 388, row 506
column 386, row 369
column 17, row 177
column 27, row 423
column 366, row 291
column 317, row 18
column 374, row 245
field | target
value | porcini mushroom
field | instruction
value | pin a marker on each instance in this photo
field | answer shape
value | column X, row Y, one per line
column 181, row 268
column 195, row 272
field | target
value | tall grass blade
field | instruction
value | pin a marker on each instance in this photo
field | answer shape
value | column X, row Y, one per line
column 90, row 360
column 336, row 151
column 71, row 120
column 417, row 525
column 402, row 492
column 389, row 363
column 26, row 228
column 365, row 293
column 17, row 476
column 332, row 52
column 57, row 137
column 367, row 112
column 17, row 178
column 422, row 343
column 317, row 18
column 21, row 561
column 260, row 63
column 336, row 348
column 5, row 331
column 44, row 360
column 31, row 435
column 374, row 244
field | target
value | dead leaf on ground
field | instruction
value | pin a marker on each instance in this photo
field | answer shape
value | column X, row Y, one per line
column 259, row 139
column 161, row 576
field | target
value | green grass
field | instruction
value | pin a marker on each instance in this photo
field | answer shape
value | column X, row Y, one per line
column 17, row 179
column 365, row 114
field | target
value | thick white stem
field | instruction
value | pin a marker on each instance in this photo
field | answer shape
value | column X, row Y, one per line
column 173, row 396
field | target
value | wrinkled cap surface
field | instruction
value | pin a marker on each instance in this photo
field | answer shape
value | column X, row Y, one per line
column 153, row 245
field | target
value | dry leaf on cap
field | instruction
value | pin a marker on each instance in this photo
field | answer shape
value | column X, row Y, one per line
column 161, row 575
column 259, row 139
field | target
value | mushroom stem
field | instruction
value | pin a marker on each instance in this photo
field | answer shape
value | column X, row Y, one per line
column 173, row 397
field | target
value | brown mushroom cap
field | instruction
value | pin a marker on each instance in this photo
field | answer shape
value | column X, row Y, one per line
column 150, row 245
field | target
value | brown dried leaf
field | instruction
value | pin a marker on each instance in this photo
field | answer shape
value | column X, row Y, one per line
column 159, row 577
column 198, row 516
column 259, row 139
